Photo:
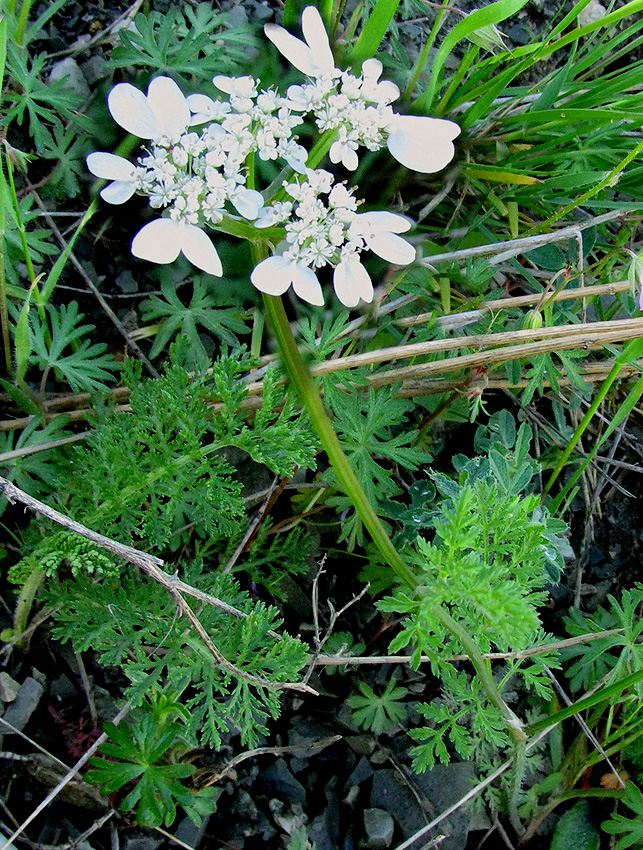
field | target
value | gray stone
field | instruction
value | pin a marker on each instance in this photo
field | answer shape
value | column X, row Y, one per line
column 441, row 788
column 362, row 771
column 277, row 781
column 379, row 827
column 189, row 833
column 24, row 705
column 142, row 842
column 69, row 71
column 8, row 688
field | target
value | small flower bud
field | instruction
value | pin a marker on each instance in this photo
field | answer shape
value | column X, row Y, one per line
column 533, row 320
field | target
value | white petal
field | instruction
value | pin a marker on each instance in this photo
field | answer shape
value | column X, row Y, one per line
column 159, row 241
column 306, row 285
column 296, row 98
column 223, row 83
column 201, row 106
column 420, row 143
column 169, row 106
column 118, row 192
column 317, row 38
column 247, row 203
column 335, row 153
column 380, row 220
column 110, row 167
column 350, row 160
column 371, row 71
column 386, row 92
column 295, row 51
column 391, row 248
column 352, row 282
column 130, row 109
column 273, row 275
column 198, row 249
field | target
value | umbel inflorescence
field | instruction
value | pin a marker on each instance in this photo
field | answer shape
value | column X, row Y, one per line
column 198, row 164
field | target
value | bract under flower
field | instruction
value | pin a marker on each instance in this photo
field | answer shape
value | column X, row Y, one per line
column 162, row 241
column 275, row 275
column 109, row 166
column 163, row 115
column 312, row 57
column 421, row 143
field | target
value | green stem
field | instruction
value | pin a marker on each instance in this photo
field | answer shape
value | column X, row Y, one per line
column 631, row 352
column 512, row 722
column 309, row 397
column 425, row 51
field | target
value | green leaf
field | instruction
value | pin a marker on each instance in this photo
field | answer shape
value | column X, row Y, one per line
column 205, row 309
column 378, row 713
column 576, row 829
column 630, row 829
column 492, row 14
column 85, row 367
column 21, row 337
column 372, row 33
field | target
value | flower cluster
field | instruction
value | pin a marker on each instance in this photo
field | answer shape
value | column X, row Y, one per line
column 195, row 167
column 328, row 232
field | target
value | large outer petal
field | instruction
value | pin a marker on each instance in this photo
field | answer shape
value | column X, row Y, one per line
column 294, row 50
column 130, row 109
column 118, row 192
column 421, row 143
column 169, row 106
column 383, row 220
column 272, row 276
column 159, row 241
column 306, row 285
column 391, row 248
column 109, row 166
column 352, row 282
column 317, row 38
column 199, row 250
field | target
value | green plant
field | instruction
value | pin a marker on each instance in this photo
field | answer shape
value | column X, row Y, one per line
column 195, row 42
column 142, row 753
column 59, row 345
column 223, row 321
column 630, row 829
column 381, row 713
column 494, row 551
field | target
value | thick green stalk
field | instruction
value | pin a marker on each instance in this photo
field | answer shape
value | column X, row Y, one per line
column 309, row 397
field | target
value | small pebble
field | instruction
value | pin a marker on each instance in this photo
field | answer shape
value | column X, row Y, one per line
column 8, row 688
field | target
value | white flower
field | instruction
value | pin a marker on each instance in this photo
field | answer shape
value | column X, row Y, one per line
column 352, row 282
column 420, row 143
column 247, row 202
column 162, row 241
column 381, row 93
column 205, row 109
column 124, row 175
column 379, row 231
column 344, row 150
column 163, row 115
column 314, row 57
column 243, row 87
column 275, row 275
column 273, row 215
